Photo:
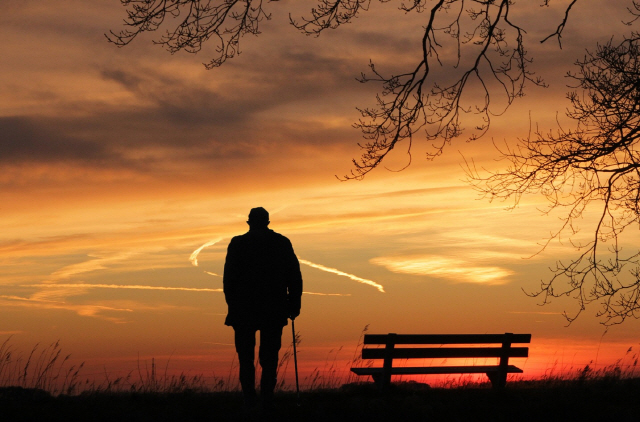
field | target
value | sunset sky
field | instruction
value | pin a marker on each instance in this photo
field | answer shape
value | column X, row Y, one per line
column 126, row 171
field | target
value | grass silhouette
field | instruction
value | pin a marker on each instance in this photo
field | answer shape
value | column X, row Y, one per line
column 44, row 368
column 44, row 385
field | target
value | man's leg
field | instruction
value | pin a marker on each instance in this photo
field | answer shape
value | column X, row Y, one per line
column 245, row 339
column 270, row 343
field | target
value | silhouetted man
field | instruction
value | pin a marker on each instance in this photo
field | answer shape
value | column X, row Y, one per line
column 262, row 287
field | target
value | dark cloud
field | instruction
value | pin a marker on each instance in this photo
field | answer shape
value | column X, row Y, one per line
column 177, row 102
column 127, row 79
column 176, row 121
column 265, row 107
column 27, row 139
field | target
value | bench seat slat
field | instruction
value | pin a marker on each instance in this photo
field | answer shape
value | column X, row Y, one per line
column 446, row 352
column 433, row 370
column 446, row 338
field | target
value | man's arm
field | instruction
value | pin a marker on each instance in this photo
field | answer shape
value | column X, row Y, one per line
column 294, row 283
column 231, row 274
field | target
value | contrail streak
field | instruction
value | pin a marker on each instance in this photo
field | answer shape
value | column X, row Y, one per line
column 135, row 287
column 194, row 260
column 194, row 256
column 342, row 273
column 125, row 286
column 326, row 294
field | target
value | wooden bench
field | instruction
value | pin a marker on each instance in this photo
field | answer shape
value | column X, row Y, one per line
column 497, row 373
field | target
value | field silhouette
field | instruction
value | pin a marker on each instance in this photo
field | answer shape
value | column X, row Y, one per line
column 44, row 386
column 600, row 399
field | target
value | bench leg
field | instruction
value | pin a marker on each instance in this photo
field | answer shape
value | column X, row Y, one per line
column 498, row 379
column 381, row 382
column 377, row 378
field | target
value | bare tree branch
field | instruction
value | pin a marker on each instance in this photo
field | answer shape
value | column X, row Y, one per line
column 409, row 102
column 196, row 21
column 329, row 14
column 558, row 32
column 491, row 57
column 595, row 166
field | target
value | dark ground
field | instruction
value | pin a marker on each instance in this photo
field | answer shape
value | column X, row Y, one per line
column 598, row 400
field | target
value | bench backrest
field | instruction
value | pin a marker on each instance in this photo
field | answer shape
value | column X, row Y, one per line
column 504, row 351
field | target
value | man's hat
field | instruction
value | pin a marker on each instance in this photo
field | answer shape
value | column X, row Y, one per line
column 258, row 216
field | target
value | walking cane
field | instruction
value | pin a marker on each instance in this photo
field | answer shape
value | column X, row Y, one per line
column 295, row 361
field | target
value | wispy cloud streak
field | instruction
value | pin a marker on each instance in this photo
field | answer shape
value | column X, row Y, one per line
column 194, row 256
column 342, row 273
column 83, row 310
column 457, row 270
column 534, row 313
column 99, row 263
column 26, row 299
